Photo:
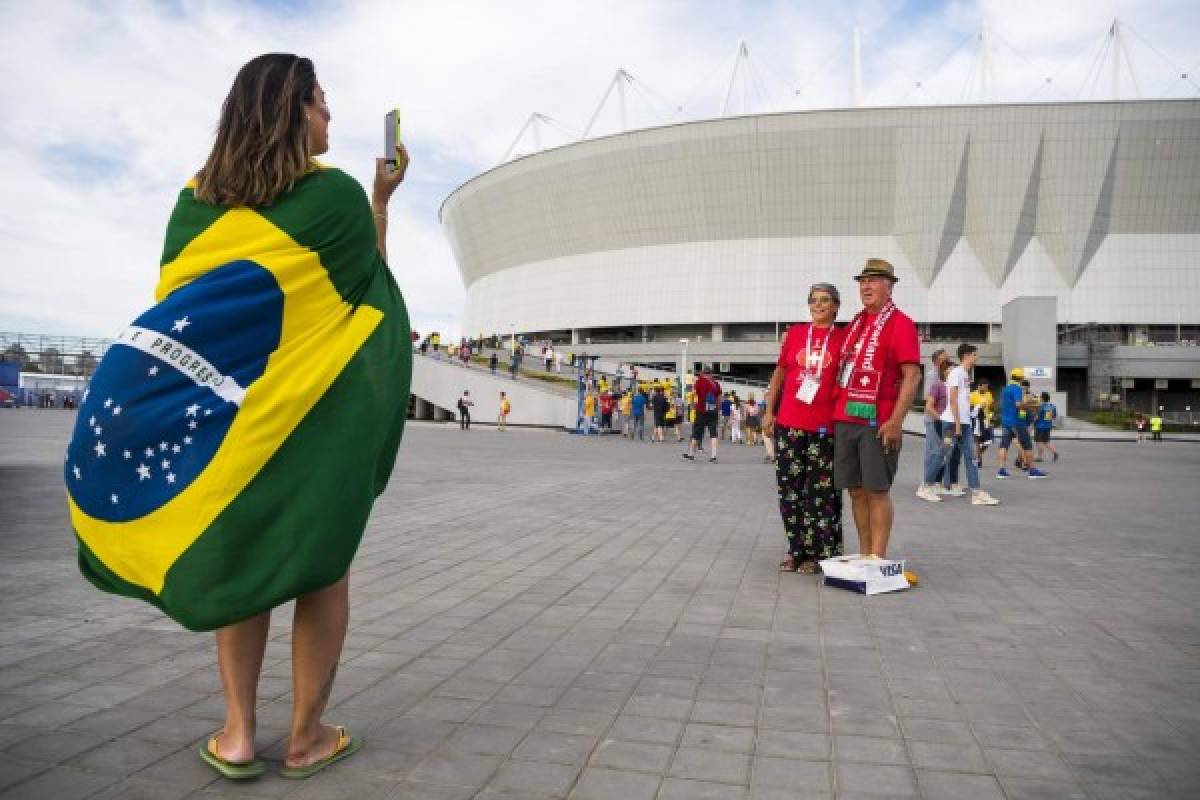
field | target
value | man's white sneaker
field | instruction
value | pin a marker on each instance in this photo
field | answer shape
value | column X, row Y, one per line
column 982, row 498
column 927, row 494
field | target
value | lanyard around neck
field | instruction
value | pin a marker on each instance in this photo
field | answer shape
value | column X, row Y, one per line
column 808, row 349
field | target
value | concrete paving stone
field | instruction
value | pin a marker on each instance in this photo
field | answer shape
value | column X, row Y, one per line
column 928, row 709
column 957, row 786
column 809, row 718
column 582, row 723
column 719, row 737
column 719, row 713
column 669, row 687
column 632, row 756
column 15, row 770
column 1097, row 743
column 454, row 768
column 54, row 746
column 445, row 709
column 603, row 701
column 597, row 783
column 1018, row 788
column 509, row 715
column 63, row 783
column 536, row 777
column 659, row 706
column 122, row 757
column 544, row 696
column 791, row 774
column 1120, row 770
column 870, row 750
column 794, row 744
column 678, row 789
column 863, row 722
column 646, row 729
column 935, row 730
column 558, row 748
column 1009, row 737
column 492, row 740
column 414, row 734
column 138, row 788
column 715, row 766
column 951, row 757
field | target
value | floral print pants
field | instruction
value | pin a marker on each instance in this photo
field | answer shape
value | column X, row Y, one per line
column 808, row 502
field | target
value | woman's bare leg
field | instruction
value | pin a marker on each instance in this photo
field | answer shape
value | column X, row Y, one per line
column 318, row 632
column 240, row 649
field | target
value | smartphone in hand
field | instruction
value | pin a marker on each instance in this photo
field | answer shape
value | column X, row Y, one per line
column 391, row 134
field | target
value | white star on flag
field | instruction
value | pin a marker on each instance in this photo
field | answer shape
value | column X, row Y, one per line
column 108, row 402
column 149, row 451
column 143, row 472
column 78, row 474
column 116, row 412
column 192, row 409
column 98, row 430
column 175, row 448
column 114, row 499
column 92, row 421
column 187, row 440
column 99, row 448
column 162, row 446
column 192, row 424
column 152, row 371
column 85, row 394
column 180, row 324
column 170, row 477
column 166, row 464
column 128, row 455
column 207, row 412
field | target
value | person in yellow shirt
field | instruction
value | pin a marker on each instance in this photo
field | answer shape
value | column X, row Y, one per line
column 589, row 411
column 1156, row 425
column 982, row 409
column 627, row 413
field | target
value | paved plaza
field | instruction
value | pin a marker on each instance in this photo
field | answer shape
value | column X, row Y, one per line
column 537, row 615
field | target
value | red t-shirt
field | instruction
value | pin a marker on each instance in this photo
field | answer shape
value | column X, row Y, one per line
column 708, row 393
column 817, row 416
column 606, row 403
column 903, row 347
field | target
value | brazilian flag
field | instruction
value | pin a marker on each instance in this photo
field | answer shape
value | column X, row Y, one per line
column 234, row 437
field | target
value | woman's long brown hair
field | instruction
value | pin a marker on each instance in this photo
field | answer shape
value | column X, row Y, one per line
column 262, row 137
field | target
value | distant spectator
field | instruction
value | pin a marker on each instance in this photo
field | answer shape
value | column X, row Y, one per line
column 1043, row 425
column 464, row 410
column 505, row 410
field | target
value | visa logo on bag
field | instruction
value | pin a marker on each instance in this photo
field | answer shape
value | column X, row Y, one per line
column 864, row 575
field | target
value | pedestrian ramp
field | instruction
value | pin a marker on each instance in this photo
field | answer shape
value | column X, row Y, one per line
column 438, row 383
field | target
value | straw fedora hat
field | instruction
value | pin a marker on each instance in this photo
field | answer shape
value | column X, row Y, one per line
column 877, row 268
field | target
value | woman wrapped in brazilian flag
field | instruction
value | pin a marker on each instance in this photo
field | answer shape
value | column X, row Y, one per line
column 235, row 436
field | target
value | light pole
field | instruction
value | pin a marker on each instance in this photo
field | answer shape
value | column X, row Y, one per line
column 683, row 366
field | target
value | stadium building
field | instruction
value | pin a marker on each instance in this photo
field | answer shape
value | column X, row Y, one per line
column 1060, row 236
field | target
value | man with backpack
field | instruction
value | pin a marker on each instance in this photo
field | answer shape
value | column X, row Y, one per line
column 707, row 392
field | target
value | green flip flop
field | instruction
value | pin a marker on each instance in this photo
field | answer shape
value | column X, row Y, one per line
column 229, row 769
column 347, row 746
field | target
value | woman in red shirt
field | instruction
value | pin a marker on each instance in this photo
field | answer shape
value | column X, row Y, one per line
column 800, row 418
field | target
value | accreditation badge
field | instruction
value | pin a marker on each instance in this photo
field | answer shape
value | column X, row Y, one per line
column 808, row 390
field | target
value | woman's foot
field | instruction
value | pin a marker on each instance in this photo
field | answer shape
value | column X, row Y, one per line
column 234, row 748
column 302, row 752
column 787, row 565
column 807, row 568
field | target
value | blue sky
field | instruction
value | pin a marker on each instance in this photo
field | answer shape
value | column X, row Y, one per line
column 113, row 104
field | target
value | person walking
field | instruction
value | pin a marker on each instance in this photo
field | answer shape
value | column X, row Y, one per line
column 935, row 404
column 1043, row 426
column 505, row 410
column 493, row 362
column 1156, row 426
column 801, row 424
column 735, row 423
column 589, row 411
column 752, row 414
column 637, row 414
column 725, row 420
column 464, row 410
column 878, row 372
column 1012, row 400
column 626, row 409
column 659, row 405
column 514, row 361
column 957, row 433
column 1139, row 426
column 707, row 393
column 265, row 499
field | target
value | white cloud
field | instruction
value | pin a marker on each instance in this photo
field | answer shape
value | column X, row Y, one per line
column 110, row 107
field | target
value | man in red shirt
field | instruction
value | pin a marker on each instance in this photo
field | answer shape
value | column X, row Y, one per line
column 877, row 380
column 708, row 403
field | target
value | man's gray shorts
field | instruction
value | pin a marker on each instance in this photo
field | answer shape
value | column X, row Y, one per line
column 859, row 460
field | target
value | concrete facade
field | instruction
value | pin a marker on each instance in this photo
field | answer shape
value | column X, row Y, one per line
column 730, row 220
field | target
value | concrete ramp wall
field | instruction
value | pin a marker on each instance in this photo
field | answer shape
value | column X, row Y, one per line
column 442, row 383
